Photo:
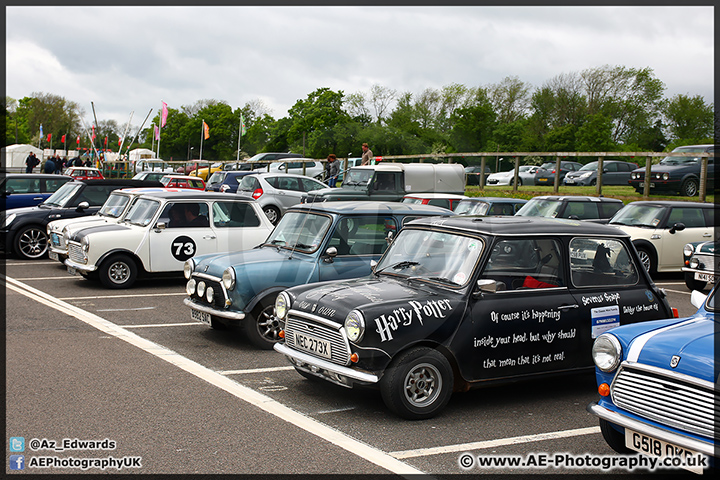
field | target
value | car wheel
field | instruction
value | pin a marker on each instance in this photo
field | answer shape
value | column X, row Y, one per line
column 593, row 182
column 418, row 384
column 273, row 214
column 519, row 182
column 689, row 188
column 262, row 328
column 647, row 259
column 615, row 439
column 31, row 242
column 118, row 271
column 693, row 284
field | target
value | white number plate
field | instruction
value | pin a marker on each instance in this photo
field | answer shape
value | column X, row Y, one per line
column 648, row 445
column 313, row 345
column 569, row 180
column 652, row 185
column 202, row 317
column 53, row 256
column 705, row 277
column 72, row 271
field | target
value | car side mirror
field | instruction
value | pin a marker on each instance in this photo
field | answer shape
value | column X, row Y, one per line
column 677, row 227
column 161, row 226
column 82, row 206
column 330, row 253
column 486, row 285
column 574, row 217
column 390, row 237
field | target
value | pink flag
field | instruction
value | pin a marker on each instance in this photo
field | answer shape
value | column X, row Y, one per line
column 157, row 133
column 163, row 120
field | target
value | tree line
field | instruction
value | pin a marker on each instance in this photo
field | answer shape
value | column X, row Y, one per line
column 608, row 108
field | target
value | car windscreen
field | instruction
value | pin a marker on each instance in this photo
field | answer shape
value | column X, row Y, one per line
column 639, row 216
column 300, row 231
column 358, row 177
column 439, row 257
column 142, row 212
column 540, row 208
column 114, row 205
column 471, row 208
column 679, row 160
column 592, row 166
column 63, row 195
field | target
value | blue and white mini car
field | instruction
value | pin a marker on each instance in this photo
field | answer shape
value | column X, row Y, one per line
column 658, row 390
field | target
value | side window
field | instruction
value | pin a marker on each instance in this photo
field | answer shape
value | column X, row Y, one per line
column 691, row 217
column 709, row 216
column 601, row 261
column 93, row 194
column 519, row 264
column 52, row 185
column 308, row 185
column 362, row 235
column 501, row 209
column 582, row 210
column 22, row 185
column 611, row 167
column 185, row 215
column 608, row 209
column 385, row 181
column 288, row 183
column 439, row 202
column 234, row 214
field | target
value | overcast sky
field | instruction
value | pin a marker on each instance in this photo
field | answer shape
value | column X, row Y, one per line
column 128, row 59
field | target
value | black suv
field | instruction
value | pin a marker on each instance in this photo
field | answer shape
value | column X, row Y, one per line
column 677, row 174
column 24, row 230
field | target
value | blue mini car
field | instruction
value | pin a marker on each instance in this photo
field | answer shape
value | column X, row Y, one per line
column 658, row 390
column 311, row 243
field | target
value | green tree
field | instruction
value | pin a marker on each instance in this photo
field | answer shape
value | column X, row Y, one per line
column 689, row 119
column 57, row 115
column 315, row 120
column 473, row 125
column 595, row 135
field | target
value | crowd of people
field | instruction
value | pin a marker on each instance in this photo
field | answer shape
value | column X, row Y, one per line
column 55, row 164
column 332, row 167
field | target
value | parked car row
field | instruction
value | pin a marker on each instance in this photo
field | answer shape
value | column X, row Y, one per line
column 420, row 302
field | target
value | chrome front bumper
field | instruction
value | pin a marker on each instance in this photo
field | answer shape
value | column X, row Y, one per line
column 214, row 311
column 323, row 368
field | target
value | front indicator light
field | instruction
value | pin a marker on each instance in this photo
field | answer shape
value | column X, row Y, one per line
column 676, row 314
column 281, row 334
column 604, row 389
column 354, row 358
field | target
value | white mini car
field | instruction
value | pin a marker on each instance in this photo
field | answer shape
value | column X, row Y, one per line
column 112, row 211
column 161, row 231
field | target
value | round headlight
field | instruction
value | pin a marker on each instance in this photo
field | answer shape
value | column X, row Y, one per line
column 694, row 263
column 228, row 278
column 190, row 287
column 209, row 294
column 688, row 250
column 201, row 289
column 282, row 303
column 355, row 326
column 188, row 268
column 85, row 243
column 666, row 176
column 606, row 352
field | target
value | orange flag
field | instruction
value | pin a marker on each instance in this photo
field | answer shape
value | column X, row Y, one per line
column 206, row 129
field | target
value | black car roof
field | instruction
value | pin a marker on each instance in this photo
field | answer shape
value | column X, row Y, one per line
column 121, row 182
column 672, row 203
column 374, row 208
column 494, row 199
column 577, row 198
column 514, row 225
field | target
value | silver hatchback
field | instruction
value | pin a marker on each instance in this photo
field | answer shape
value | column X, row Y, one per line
column 276, row 192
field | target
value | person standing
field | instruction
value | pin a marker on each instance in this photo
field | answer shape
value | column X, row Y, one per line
column 367, row 154
column 333, row 170
column 31, row 162
column 49, row 165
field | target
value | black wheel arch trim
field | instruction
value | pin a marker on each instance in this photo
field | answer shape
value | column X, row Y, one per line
column 122, row 251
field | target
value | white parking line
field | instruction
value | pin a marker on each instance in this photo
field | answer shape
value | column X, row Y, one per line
column 464, row 447
column 125, row 309
column 310, row 425
column 104, row 297
column 160, row 324
column 32, row 279
column 253, row 370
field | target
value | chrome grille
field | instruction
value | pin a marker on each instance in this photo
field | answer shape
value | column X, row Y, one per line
column 75, row 253
column 707, row 261
column 339, row 349
column 667, row 399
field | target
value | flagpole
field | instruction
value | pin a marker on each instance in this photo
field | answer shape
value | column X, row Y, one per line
column 202, row 137
column 127, row 127
column 137, row 134
column 239, row 137
column 154, row 134
column 88, row 134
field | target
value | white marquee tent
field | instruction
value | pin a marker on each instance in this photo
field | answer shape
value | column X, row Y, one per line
column 13, row 156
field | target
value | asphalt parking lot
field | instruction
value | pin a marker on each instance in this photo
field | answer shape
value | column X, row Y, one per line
column 175, row 397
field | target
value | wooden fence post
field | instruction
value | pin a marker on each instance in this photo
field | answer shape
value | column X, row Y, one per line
column 556, row 181
column 598, row 186
column 646, row 183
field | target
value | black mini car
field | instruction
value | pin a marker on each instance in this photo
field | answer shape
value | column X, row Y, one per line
column 459, row 302
column 24, row 230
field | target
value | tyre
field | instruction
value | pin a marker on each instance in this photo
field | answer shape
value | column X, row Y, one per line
column 647, row 259
column 31, row 242
column 118, row 271
column 693, row 284
column 417, row 384
column 615, row 439
column 689, row 188
column 262, row 328
column 519, row 182
column 593, row 182
column 273, row 214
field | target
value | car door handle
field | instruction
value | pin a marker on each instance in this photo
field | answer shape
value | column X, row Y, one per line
column 37, row 198
column 568, row 307
column 209, row 237
column 707, row 235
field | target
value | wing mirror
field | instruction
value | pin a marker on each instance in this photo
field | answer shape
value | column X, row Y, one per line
column 161, row 226
column 677, row 227
column 82, row 206
column 487, row 285
column 330, row 253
